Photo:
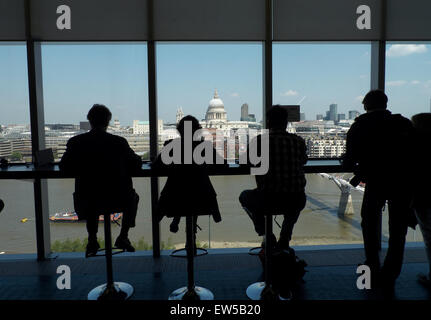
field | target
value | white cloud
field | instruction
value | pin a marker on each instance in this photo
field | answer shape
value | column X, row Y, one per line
column 415, row 82
column 401, row 50
column 290, row 93
column 363, row 76
column 396, row 83
column 359, row 98
column 235, row 94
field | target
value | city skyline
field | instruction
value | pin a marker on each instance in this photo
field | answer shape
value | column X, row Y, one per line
column 77, row 76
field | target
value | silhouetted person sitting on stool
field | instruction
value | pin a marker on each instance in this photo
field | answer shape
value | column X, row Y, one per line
column 103, row 165
column 283, row 186
column 378, row 151
column 188, row 187
column 422, row 184
column 188, row 193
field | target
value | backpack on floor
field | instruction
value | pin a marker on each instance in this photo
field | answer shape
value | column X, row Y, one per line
column 287, row 268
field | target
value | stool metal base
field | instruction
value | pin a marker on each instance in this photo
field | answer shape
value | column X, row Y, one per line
column 119, row 291
column 254, row 292
column 254, row 251
column 199, row 293
column 182, row 253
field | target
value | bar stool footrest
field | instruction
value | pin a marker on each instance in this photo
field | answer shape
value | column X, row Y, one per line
column 104, row 254
column 254, row 251
column 198, row 254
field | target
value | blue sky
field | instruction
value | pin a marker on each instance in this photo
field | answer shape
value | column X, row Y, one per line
column 75, row 76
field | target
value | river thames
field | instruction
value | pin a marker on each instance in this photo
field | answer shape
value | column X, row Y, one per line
column 318, row 224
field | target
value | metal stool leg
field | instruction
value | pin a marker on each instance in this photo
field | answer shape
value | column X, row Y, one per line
column 268, row 250
column 197, row 252
column 191, row 292
column 254, row 291
column 110, row 290
column 264, row 290
column 190, row 234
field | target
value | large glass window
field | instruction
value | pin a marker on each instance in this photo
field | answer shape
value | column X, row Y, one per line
column 68, row 235
column 15, row 136
column 17, row 225
column 408, row 85
column 221, row 85
column 188, row 76
column 328, row 81
column 17, row 220
column 333, row 213
column 408, row 81
column 76, row 76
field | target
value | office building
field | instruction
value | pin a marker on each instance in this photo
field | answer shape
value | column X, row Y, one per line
column 84, row 126
column 353, row 114
column 341, row 116
column 244, row 112
column 302, row 116
column 332, row 112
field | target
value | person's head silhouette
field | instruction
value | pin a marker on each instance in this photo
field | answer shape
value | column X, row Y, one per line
column 422, row 122
column 190, row 119
column 99, row 117
column 276, row 118
column 375, row 100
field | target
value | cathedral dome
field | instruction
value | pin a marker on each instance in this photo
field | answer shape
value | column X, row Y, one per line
column 216, row 111
column 216, row 102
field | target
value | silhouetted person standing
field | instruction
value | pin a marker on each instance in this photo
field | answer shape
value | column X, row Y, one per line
column 283, row 186
column 378, row 151
column 103, row 165
column 422, row 184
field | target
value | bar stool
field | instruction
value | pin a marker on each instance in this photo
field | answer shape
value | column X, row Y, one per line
column 191, row 291
column 264, row 290
column 110, row 290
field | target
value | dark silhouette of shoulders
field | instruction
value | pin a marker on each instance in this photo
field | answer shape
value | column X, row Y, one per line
column 98, row 137
column 378, row 147
column 97, row 151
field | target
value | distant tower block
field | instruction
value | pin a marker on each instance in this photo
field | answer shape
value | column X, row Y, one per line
column 180, row 114
column 333, row 112
column 244, row 112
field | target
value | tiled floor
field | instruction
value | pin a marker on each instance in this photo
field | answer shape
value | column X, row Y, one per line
column 331, row 275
